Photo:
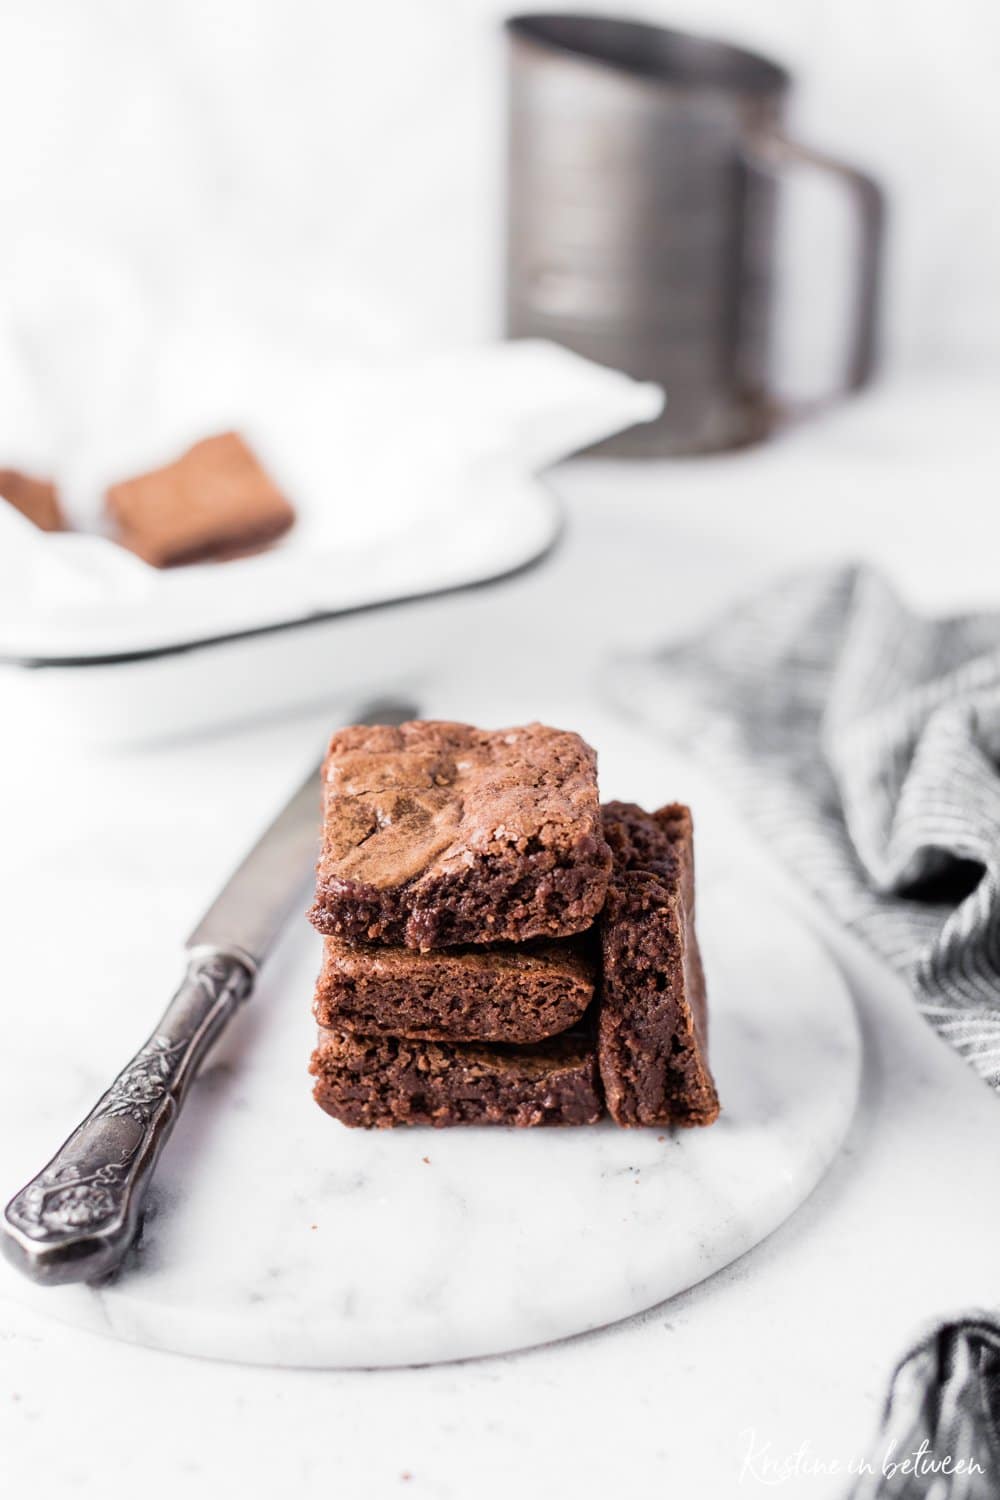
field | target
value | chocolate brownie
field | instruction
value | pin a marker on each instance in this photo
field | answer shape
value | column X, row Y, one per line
column 35, row 498
column 215, row 501
column 384, row 1080
column 439, row 834
column 652, row 1021
column 500, row 994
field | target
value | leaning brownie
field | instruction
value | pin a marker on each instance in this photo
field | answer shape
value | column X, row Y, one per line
column 439, row 834
column 652, row 1028
column 215, row 501
column 35, row 498
column 499, row 994
column 382, row 1081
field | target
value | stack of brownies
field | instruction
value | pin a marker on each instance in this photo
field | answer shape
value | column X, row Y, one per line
column 499, row 948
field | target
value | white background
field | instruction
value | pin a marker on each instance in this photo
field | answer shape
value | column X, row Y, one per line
column 339, row 164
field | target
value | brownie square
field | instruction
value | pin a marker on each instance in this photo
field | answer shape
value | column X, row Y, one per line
column 652, row 1019
column 438, row 834
column 500, row 994
column 215, row 501
column 35, row 498
column 383, row 1081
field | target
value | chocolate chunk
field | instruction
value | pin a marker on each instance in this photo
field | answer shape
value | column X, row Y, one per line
column 652, row 1019
column 438, row 834
column 383, row 1081
column 499, row 994
column 215, row 501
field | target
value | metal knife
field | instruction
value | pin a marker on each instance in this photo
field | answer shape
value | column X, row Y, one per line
column 77, row 1218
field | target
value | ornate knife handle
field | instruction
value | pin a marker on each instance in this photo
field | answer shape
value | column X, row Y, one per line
column 77, row 1218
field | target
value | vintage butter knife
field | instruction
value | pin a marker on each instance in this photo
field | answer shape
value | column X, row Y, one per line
column 77, row 1218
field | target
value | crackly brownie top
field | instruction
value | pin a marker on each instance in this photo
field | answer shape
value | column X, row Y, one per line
column 404, row 800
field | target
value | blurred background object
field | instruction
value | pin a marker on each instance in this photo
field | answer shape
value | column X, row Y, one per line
column 642, row 173
column 340, row 168
column 97, row 644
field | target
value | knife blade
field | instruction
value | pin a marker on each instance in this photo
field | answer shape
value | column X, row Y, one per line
column 75, row 1220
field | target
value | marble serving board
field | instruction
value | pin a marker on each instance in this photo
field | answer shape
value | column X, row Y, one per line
column 276, row 1236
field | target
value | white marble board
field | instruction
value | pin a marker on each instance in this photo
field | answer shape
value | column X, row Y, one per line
column 277, row 1236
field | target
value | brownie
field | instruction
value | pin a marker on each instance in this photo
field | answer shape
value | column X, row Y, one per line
column 215, row 501
column 652, row 1021
column 439, row 834
column 499, row 994
column 383, row 1080
column 35, row 498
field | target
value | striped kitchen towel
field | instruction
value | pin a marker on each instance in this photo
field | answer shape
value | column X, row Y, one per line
column 863, row 742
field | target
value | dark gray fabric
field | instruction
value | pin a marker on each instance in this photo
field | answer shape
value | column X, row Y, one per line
column 940, row 1434
column 863, row 742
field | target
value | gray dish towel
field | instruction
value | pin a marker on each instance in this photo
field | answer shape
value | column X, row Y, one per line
column 862, row 742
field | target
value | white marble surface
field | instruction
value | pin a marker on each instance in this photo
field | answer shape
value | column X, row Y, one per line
column 276, row 1236
column 790, row 1345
